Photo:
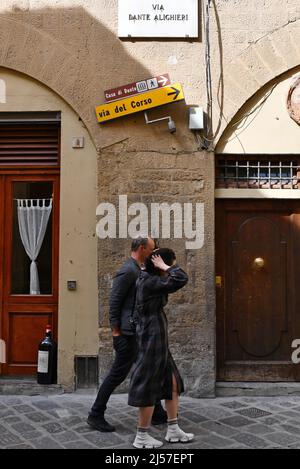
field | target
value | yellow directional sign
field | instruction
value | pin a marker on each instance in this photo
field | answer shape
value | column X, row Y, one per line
column 140, row 102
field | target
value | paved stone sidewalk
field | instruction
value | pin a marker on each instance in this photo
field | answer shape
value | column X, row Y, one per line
column 59, row 422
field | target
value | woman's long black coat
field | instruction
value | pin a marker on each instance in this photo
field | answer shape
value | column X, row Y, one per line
column 152, row 375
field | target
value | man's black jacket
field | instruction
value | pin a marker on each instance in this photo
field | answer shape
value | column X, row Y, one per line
column 122, row 296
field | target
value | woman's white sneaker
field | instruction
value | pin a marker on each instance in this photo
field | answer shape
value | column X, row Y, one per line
column 176, row 435
column 144, row 440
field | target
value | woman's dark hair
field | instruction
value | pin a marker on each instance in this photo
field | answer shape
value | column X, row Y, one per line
column 167, row 255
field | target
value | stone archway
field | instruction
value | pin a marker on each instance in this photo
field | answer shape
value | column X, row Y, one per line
column 259, row 64
column 35, row 53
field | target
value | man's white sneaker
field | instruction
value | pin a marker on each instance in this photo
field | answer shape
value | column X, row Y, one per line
column 144, row 440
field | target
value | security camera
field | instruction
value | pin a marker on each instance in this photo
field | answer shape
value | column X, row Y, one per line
column 171, row 123
column 172, row 126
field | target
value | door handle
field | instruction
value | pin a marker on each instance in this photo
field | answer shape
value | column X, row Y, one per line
column 259, row 263
column 219, row 281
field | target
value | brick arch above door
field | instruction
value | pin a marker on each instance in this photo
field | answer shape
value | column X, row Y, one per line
column 32, row 52
column 259, row 64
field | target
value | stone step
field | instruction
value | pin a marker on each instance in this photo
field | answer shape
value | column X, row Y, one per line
column 236, row 389
column 27, row 387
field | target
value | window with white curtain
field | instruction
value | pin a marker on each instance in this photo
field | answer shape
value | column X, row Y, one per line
column 32, row 238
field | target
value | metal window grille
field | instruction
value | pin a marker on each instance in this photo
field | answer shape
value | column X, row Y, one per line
column 253, row 173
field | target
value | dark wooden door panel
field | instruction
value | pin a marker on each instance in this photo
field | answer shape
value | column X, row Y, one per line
column 257, row 246
column 24, row 328
column 259, row 309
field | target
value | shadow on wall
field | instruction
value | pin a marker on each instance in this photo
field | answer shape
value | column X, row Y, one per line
column 72, row 53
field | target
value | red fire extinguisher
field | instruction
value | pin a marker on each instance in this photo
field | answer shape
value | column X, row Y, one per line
column 47, row 359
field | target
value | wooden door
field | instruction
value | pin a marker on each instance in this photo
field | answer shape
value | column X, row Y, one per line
column 258, row 294
column 24, row 316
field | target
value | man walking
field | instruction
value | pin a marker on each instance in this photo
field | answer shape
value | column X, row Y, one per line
column 121, row 304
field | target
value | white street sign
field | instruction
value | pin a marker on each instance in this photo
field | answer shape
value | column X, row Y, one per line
column 167, row 18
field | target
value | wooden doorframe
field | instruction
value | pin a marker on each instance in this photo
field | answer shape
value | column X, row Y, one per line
column 220, row 287
column 18, row 304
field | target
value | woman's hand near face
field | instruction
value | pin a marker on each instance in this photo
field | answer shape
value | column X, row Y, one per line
column 159, row 263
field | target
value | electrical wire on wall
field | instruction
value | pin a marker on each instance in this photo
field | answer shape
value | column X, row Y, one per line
column 205, row 140
column 208, row 69
column 254, row 112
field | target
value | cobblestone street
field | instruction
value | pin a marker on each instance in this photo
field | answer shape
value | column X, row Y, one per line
column 59, row 421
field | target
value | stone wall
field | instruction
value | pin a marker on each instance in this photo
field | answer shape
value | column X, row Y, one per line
column 177, row 176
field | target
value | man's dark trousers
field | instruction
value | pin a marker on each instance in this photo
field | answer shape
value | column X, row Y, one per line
column 125, row 347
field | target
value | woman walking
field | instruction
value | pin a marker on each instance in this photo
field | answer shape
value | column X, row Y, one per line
column 155, row 375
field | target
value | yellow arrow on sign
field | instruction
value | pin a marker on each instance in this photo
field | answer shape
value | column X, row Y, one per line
column 140, row 102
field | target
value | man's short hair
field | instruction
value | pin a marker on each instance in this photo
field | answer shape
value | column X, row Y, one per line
column 137, row 242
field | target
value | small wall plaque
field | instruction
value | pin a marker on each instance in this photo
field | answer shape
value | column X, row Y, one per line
column 77, row 142
column 72, row 284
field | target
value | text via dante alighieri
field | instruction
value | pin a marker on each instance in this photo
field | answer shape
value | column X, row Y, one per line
column 158, row 14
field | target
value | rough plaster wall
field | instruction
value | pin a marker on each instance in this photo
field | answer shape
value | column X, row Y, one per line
column 72, row 47
column 252, row 43
column 85, row 31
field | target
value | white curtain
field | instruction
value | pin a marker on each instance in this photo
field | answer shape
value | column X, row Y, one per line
column 33, row 216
